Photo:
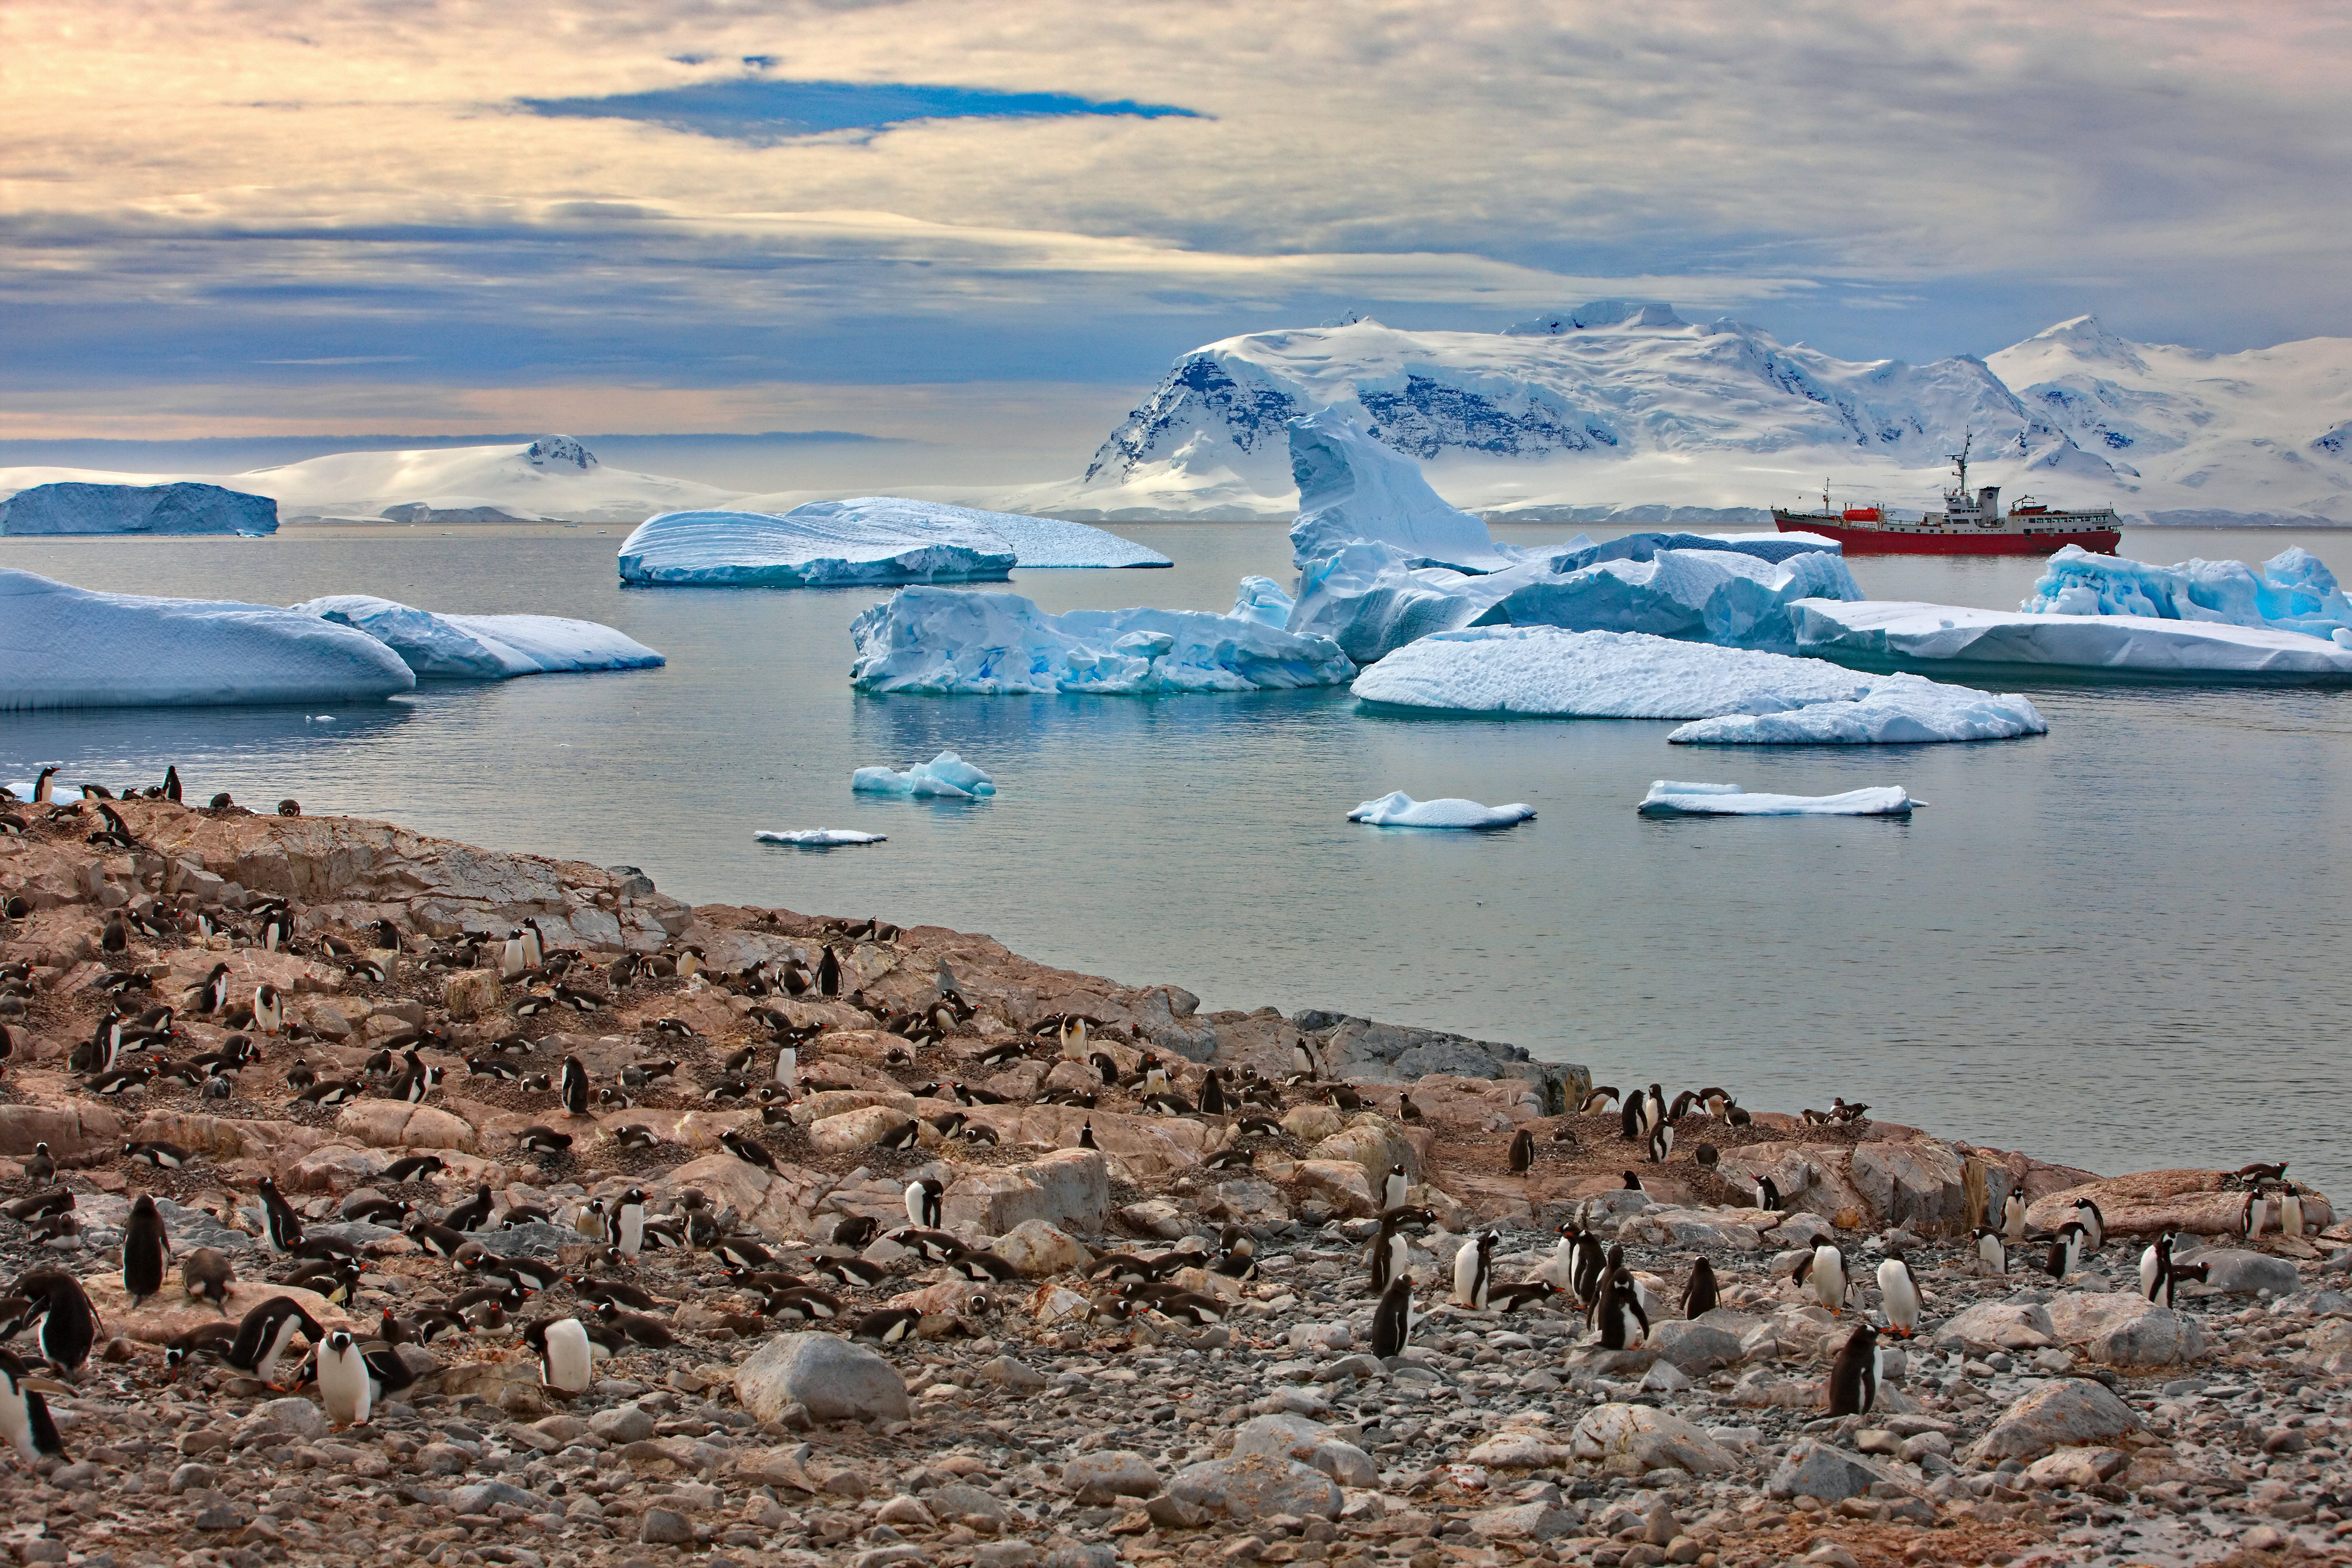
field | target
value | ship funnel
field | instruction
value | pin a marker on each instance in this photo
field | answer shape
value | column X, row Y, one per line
column 1989, row 501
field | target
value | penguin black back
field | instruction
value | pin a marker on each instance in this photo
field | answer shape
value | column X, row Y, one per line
column 1699, row 1296
column 69, row 1326
column 1853, row 1377
column 1392, row 1319
column 145, row 1250
column 1523, row 1152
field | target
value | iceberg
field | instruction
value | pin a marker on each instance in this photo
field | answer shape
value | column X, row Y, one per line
column 62, row 647
column 1670, row 798
column 1261, row 599
column 1739, row 695
column 947, row 775
column 867, row 539
column 2294, row 592
column 1398, row 809
column 1896, row 631
column 483, row 647
column 822, row 837
column 1351, row 488
column 74, row 507
column 1036, row 541
column 945, row 640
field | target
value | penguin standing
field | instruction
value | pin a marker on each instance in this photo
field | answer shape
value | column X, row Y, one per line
column 566, row 1360
column 828, row 975
column 533, row 948
column 1213, row 1095
column 284, row 1224
column 25, row 1414
column 1699, row 1295
column 572, row 1088
column 510, row 959
column 2094, row 1223
column 344, row 1387
column 1824, row 1271
column 1993, row 1253
column 925, row 1199
column 145, row 1250
column 471, row 1214
column 1898, row 1292
column 2256, row 1214
column 1394, row 1188
column 2156, row 1271
column 1768, row 1195
column 629, row 1223
column 1619, row 1314
column 1853, row 1376
column 265, row 1334
column 269, row 1009
column 171, row 784
column 1392, row 1249
column 1523, row 1152
column 2013, row 1217
column 1662, row 1142
column 1473, row 1271
column 1087, row 1136
column 1591, row 1263
column 1392, row 1320
column 2290, row 1210
column 61, row 1310
column 206, row 1275
column 2066, row 1251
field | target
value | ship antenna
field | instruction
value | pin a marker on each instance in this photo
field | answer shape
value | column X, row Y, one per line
column 1961, row 458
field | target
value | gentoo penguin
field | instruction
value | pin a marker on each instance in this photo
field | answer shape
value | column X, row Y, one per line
column 1394, row 1187
column 1768, row 1193
column 285, row 1225
column 2094, row 1223
column 1213, row 1095
column 925, row 1195
column 265, row 1334
column 1662, row 1142
column 269, row 1010
column 886, row 1325
column 344, row 1384
column 205, row 1274
column 1899, row 1294
column 24, row 1412
column 471, row 1214
column 1853, row 1376
column 44, row 791
column 1602, row 1099
column 1523, row 1152
column 1592, row 1265
column 61, row 1312
column 2156, row 1271
column 1993, row 1253
column 533, row 950
column 1302, row 1060
column 1155, row 1075
column 1824, row 1271
column 1087, row 1136
column 1631, row 1125
column 828, row 973
column 628, row 1223
column 2013, row 1217
column 212, row 990
column 1473, row 1271
column 2256, row 1213
column 1699, row 1295
column 1392, row 1320
column 1654, row 1108
column 1633, row 1183
column 2066, row 1251
column 2290, row 1210
column 171, row 784
column 566, row 1360
column 1391, row 1248
column 40, row 1167
column 1619, row 1314
column 510, row 959
column 145, row 1250
column 572, row 1088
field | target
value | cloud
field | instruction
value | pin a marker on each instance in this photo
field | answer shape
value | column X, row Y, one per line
column 763, row 112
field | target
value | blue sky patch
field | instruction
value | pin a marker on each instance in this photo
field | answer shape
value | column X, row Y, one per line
column 767, row 111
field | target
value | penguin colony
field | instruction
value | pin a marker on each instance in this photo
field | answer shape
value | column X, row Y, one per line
column 650, row 1258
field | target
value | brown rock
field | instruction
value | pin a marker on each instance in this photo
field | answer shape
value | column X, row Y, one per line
column 69, row 1130
column 397, row 1125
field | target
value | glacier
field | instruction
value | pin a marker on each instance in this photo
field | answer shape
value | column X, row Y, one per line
column 1398, row 809
column 945, row 640
column 483, row 647
column 867, row 539
column 2294, row 592
column 1904, row 632
column 1737, row 695
column 73, row 506
column 947, row 776
column 822, row 837
column 63, row 647
column 1668, row 797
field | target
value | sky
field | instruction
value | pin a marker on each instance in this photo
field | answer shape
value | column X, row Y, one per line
column 984, row 230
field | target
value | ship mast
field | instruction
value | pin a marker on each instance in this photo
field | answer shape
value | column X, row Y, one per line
column 1960, row 457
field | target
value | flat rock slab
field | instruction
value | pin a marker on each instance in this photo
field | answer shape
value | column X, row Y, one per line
column 1818, row 1471
column 834, row 1379
column 2060, row 1413
column 1632, row 1438
column 1258, row 1486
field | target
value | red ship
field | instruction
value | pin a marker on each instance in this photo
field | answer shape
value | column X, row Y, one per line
column 1965, row 526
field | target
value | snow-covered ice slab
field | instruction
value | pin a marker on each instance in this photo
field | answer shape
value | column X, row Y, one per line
column 819, row 545
column 77, row 507
column 2295, row 592
column 945, row 640
column 822, row 837
column 1351, row 488
column 947, row 776
column 1903, row 631
column 62, row 647
column 1668, row 797
column 483, row 647
column 1036, row 541
column 1398, row 809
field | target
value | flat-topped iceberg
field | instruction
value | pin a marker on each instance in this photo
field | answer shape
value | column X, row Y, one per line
column 75, row 506
column 822, row 837
column 1398, row 809
column 865, row 539
column 483, row 647
column 1737, row 695
column 62, row 647
column 1668, row 797
column 945, row 640
column 2295, row 592
column 946, row 777
column 1894, row 631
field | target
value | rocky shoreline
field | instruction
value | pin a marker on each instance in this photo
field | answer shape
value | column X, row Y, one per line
column 1041, row 1417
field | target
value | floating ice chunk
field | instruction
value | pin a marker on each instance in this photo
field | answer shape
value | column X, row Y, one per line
column 1400, row 810
column 945, row 640
column 2294, row 592
column 1668, row 797
column 62, row 647
column 820, row 545
column 822, row 837
column 1898, row 711
column 1901, row 631
column 946, row 776
column 483, row 647
column 1351, row 488
column 1261, row 599
column 74, row 507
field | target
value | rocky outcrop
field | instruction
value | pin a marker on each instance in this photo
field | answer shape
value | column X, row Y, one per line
column 1360, row 1049
column 1069, row 1189
column 830, row 1378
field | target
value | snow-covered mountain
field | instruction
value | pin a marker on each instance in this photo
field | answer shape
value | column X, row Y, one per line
column 1623, row 411
column 554, row 477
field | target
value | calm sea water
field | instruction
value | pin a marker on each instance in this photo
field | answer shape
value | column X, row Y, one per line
column 2120, row 945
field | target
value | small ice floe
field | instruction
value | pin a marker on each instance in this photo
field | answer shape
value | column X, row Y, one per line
column 1398, row 809
column 821, row 837
column 1668, row 797
column 946, row 776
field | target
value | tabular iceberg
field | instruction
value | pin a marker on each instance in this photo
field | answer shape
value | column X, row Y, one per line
column 483, row 647
column 1887, row 631
column 1737, row 694
column 62, row 647
column 947, row 776
column 75, row 506
column 867, row 539
column 1670, row 798
column 2293, row 593
column 822, row 837
column 945, row 640
column 1398, row 809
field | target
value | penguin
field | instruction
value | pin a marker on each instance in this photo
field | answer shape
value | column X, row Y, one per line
column 171, row 784
column 1392, row 1320
column 828, row 973
column 1523, row 1152
column 1654, row 1108
column 264, row 1334
column 574, row 1090
column 1634, row 1184
column 206, row 1275
column 212, row 990
column 1699, row 1295
column 1768, row 1193
column 1899, row 1293
column 285, row 1225
column 1993, row 1253
column 1629, row 1119
column 924, row 1196
column 533, row 951
column 471, row 1214
column 1825, row 1272
column 162, row 1155
column 413, row 1166
column 566, row 1360
column 510, row 959
column 116, row 936
column 628, row 1222
column 1592, row 1265
column 24, row 1412
column 2066, row 1251
column 1087, row 1136
column 2156, row 1271
column 40, row 1167
column 61, row 1310
column 44, row 791
column 145, row 1250
column 2013, row 1217
column 888, row 1325
column 1602, row 1099
column 1473, row 1271
column 1619, row 1312
column 540, row 1140
column 1302, row 1059
column 1853, row 1376
column 2255, row 1214
column 751, row 1151
column 2094, row 1223
column 344, row 1387
column 1394, row 1188
column 2290, row 1210
column 1662, row 1142
column 1392, row 1249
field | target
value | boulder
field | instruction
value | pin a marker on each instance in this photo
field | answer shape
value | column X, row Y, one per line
column 836, row 1379
column 2123, row 1328
column 2241, row 1273
column 283, row 1420
column 1629, row 1440
column 1914, row 1183
column 1516, row 1451
column 224, row 1139
column 169, row 1313
column 1144, row 1150
column 1308, row 1442
column 397, row 1125
column 1523, row 1521
column 2062, row 1413
column 1039, row 1250
column 2076, row 1467
column 70, row 1129
column 854, row 1130
column 781, row 1204
column 1094, row 1479
column 472, row 994
column 1154, row 1216
column 1070, row 1187
column 1313, row 1123
column 1342, row 1183
column 1998, row 1326
column 332, row 1168
column 1816, row 1470
column 1737, row 1229
column 2146, row 1201
column 1695, row 1348
column 1374, row 1142
column 1258, row 1486
column 828, row 1103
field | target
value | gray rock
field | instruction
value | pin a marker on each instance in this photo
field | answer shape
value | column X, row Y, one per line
column 958, row 1501
column 666, row 1526
column 1076, row 1556
column 1258, row 1486
column 623, row 1424
column 1524, row 1521
column 190, row 1477
column 1012, row 1373
column 1998, row 1325
column 1695, row 1348
column 1004, row 1554
column 481, row 1496
column 2241, row 1273
column 1308, row 1442
column 223, row 1516
column 1095, row 1479
column 833, row 1378
column 1817, row 1471
column 2062, row 1414
column 886, row 1557
column 443, row 1459
column 288, row 1419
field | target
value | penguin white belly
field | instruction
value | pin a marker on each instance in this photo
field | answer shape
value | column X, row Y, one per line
column 569, row 1359
column 16, row 1423
column 632, row 1228
column 2148, row 1273
column 343, row 1385
column 1899, row 1297
column 1466, row 1274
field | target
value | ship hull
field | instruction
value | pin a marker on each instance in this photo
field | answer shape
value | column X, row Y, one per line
column 1861, row 541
